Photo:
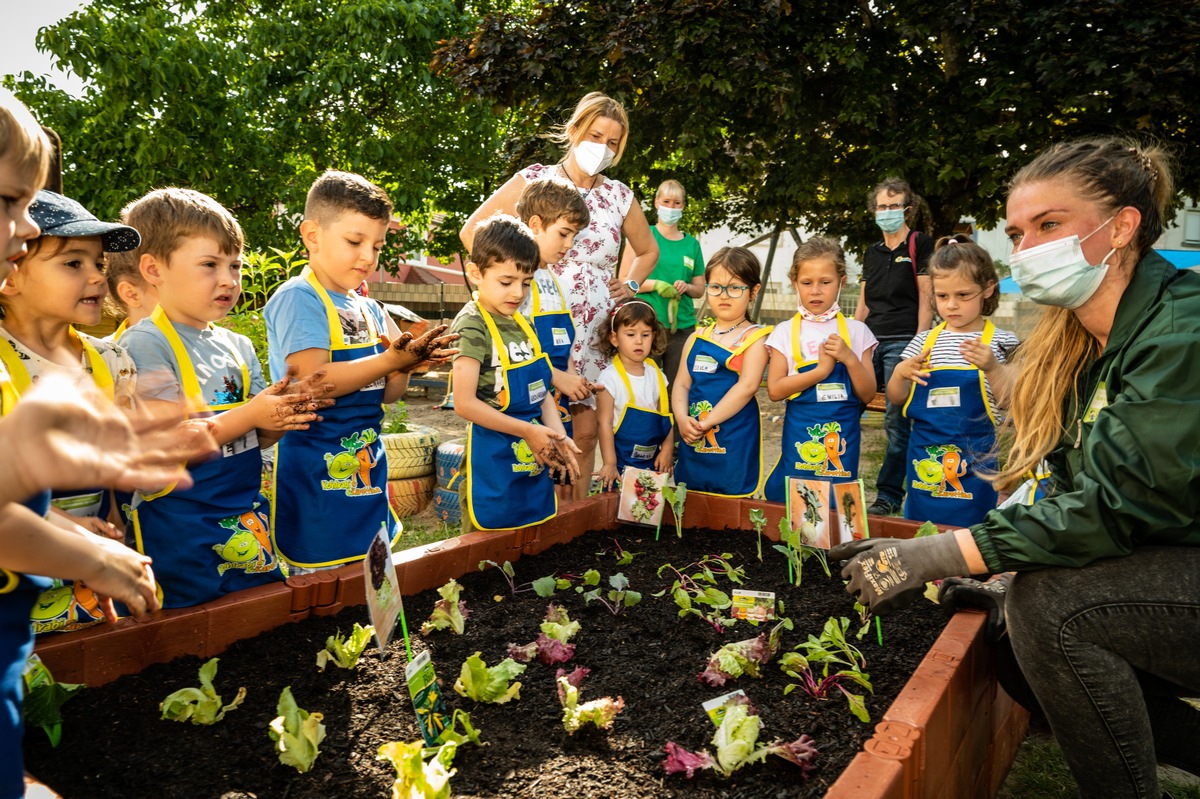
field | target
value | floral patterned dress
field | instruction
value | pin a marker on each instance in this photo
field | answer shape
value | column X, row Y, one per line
column 589, row 265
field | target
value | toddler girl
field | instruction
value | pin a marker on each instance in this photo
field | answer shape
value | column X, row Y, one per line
column 129, row 295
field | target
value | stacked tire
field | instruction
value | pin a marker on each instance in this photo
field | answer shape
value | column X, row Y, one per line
column 449, row 465
column 411, row 478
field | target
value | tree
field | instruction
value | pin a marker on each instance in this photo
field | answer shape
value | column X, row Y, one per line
column 249, row 100
column 777, row 112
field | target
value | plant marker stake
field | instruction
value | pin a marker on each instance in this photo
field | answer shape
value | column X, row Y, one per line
column 879, row 630
column 408, row 646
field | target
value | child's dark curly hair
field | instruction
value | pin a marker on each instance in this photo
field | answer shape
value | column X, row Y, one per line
column 959, row 255
column 630, row 313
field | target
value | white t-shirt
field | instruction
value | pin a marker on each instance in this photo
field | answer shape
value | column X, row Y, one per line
column 813, row 334
column 549, row 298
column 645, row 390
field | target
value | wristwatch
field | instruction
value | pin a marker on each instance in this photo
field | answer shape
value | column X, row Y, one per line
column 633, row 285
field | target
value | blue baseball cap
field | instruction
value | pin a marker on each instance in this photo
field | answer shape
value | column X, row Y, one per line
column 61, row 216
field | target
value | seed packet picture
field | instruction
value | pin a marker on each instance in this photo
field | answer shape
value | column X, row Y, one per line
column 383, row 599
column 641, row 497
column 808, row 509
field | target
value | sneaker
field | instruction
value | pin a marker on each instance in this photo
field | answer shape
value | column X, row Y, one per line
column 884, row 507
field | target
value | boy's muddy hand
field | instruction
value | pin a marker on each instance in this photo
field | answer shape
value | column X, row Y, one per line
column 430, row 347
column 574, row 387
column 313, row 386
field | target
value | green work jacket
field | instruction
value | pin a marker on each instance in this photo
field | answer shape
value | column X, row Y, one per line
column 1127, row 471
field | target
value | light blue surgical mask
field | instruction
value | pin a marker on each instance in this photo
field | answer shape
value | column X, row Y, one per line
column 890, row 221
column 669, row 216
column 1057, row 273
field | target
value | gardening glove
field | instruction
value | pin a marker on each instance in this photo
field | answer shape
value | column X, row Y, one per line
column 888, row 574
column 957, row 593
column 665, row 290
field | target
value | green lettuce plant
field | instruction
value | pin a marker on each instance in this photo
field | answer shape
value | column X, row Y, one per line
column 449, row 612
column 297, row 733
column 489, row 684
column 199, row 705
column 344, row 652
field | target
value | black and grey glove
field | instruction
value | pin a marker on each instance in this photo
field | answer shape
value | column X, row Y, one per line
column 957, row 593
column 888, row 574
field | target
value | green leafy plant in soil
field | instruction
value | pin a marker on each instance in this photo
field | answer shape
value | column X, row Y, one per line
column 646, row 656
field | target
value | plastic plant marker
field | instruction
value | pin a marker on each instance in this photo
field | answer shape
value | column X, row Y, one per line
column 426, row 698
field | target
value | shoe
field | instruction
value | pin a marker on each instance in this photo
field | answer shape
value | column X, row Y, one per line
column 882, row 507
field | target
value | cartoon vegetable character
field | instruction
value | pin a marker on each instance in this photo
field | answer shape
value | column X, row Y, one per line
column 831, row 440
column 953, row 468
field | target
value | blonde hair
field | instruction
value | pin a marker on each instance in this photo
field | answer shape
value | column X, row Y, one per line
column 122, row 266
column 818, row 247
column 166, row 217
column 593, row 105
column 672, row 187
column 23, row 140
column 1114, row 173
column 958, row 255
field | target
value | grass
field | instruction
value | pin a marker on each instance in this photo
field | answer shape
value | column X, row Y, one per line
column 419, row 532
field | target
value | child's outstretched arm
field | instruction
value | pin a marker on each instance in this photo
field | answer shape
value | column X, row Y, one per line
column 780, row 385
column 754, row 361
column 910, row 370
column 91, row 524
column 402, row 355
column 281, row 407
column 605, row 407
column 574, row 386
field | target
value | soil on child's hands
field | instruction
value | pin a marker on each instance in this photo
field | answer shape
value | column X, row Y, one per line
column 115, row 745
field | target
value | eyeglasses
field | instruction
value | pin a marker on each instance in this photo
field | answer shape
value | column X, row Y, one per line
column 890, row 207
column 732, row 292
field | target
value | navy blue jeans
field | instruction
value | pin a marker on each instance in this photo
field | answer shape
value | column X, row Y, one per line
column 890, row 483
column 1108, row 650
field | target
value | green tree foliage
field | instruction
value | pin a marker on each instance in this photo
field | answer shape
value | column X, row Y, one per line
column 775, row 111
column 249, row 100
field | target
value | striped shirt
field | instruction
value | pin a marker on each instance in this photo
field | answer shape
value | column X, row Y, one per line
column 946, row 353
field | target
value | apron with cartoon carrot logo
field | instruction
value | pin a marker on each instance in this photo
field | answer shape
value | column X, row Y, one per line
column 727, row 461
column 507, row 488
column 953, row 438
column 640, row 431
column 208, row 540
column 820, row 426
column 331, row 479
column 556, row 333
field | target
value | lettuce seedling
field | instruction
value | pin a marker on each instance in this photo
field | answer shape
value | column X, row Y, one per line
column 736, row 741
column 44, row 698
column 600, row 712
column 619, row 598
column 344, row 652
column 700, row 588
column 199, row 705
column 449, row 611
column 468, row 735
column 297, row 733
column 543, row 587
column 417, row 778
column 553, row 643
column 675, row 497
column 796, row 551
column 759, row 520
column 483, row 684
column 743, row 657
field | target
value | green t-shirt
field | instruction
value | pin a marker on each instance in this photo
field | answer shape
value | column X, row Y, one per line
column 476, row 343
column 677, row 260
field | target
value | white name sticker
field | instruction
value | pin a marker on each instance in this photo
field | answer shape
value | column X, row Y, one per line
column 561, row 339
column 705, row 364
column 689, row 262
column 378, row 385
column 642, row 452
column 537, row 391
column 240, row 445
column 831, row 392
column 943, row 398
column 1099, row 401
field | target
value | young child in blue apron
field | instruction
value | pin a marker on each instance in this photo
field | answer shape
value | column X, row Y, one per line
column 948, row 382
column 633, row 411
column 820, row 362
column 715, row 394
column 554, row 212
column 330, row 482
column 214, row 537
column 516, row 445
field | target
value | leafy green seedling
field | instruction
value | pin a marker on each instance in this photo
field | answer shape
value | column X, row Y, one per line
column 696, row 584
column 616, row 600
column 489, row 684
column 743, row 657
column 297, row 733
column 829, row 651
column 676, row 497
column 543, row 587
column 468, row 735
column 199, row 705
column 759, row 520
column 448, row 612
column 624, row 556
column 44, row 698
column 344, row 652
column 599, row 712
column 417, row 778
column 736, row 742
column 553, row 645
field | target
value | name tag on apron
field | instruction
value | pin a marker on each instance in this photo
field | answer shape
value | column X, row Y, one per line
column 376, row 386
column 831, row 392
column 705, row 364
column 80, row 504
column 240, row 445
column 537, row 391
column 1099, row 401
column 642, row 453
column 561, row 339
column 943, row 398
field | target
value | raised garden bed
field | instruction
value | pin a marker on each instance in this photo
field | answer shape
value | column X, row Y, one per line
column 950, row 732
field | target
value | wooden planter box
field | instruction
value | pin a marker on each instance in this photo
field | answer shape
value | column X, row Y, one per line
column 951, row 733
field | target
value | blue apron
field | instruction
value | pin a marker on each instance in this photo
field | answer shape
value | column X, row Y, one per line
column 331, row 479
column 18, row 594
column 820, row 426
column 214, row 537
column 556, row 333
column 506, row 488
column 639, row 433
column 706, row 467
column 953, row 437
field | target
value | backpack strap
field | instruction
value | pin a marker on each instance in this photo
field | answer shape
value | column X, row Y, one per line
column 912, row 253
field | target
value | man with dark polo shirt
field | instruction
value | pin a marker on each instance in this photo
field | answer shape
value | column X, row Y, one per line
column 895, row 303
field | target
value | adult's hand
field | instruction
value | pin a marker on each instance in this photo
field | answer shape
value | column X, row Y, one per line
column 956, row 593
column 618, row 291
column 888, row 574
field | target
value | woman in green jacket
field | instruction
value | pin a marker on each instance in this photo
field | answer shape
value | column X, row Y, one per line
column 1104, row 613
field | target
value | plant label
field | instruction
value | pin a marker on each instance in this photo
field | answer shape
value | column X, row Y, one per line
column 384, row 602
column 641, row 497
column 426, row 697
column 715, row 708
column 813, row 515
column 852, row 512
column 753, row 605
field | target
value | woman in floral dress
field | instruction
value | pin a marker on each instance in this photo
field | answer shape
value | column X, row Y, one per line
column 595, row 138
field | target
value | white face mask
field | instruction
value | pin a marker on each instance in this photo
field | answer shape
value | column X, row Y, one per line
column 829, row 313
column 669, row 216
column 1057, row 273
column 593, row 157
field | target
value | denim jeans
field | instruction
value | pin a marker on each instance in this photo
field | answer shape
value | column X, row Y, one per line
column 1107, row 650
column 890, row 483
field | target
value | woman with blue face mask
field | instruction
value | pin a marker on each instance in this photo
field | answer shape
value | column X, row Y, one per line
column 678, row 277
column 1104, row 611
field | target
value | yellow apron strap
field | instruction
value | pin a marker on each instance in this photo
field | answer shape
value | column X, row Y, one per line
column 798, row 321
column 8, row 394
column 537, row 299
column 664, row 405
column 17, row 373
column 337, row 341
column 101, row 375
column 120, row 331
column 989, row 330
column 21, row 381
column 192, row 393
column 844, row 330
column 502, row 350
column 663, row 401
column 752, row 336
column 932, row 337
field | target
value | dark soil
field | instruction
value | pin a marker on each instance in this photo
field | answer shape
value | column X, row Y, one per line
column 115, row 745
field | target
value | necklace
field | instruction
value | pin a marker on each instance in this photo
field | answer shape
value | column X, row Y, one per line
column 728, row 329
column 584, row 192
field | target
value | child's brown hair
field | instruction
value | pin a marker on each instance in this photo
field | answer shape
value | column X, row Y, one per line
column 958, row 255
column 505, row 238
column 23, row 140
column 630, row 313
column 122, row 266
column 167, row 217
column 739, row 262
column 551, row 200
column 818, row 247
column 336, row 192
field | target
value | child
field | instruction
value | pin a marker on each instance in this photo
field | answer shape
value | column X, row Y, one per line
column 502, row 380
column 635, row 423
column 945, row 382
column 715, row 392
column 821, row 363
column 129, row 295
column 554, row 212
column 331, row 480
column 213, row 538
